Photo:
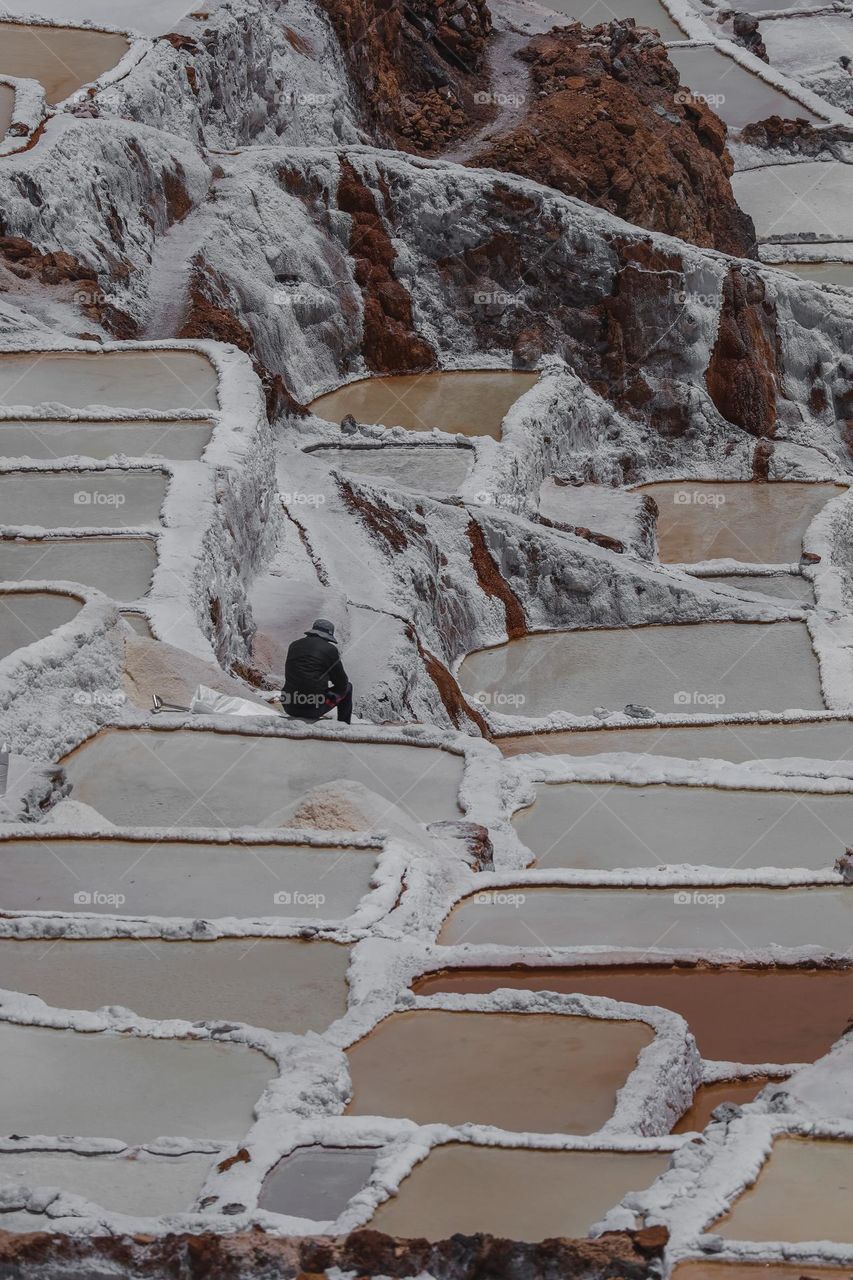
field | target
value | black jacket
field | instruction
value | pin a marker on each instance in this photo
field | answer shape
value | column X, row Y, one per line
column 313, row 667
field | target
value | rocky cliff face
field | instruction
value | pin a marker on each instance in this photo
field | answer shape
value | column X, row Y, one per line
column 604, row 97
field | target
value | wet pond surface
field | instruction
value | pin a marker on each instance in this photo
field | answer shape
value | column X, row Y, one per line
column 156, row 380
column 317, row 1182
column 779, row 586
column 756, row 523
column 280, row 984
column 195, row 880
column 787, row 199
column 840, row 273
column 708, row 1270
column 62, row 59
column 776, row 1015
column 152, row 778
column 120, row 567
column 521, row 1195
column 699, row 669
column 815, row 1176
column 82, row 499
column 27, row 616
column 647, row 13
column 48, row 440
column 7, row 108
column 608, row 826
column 655, row 919
column 736, row 95
column 138, row 1184
column 709, row 1096
column 428, row 1066
column 473, row 403
column 128, row 1087
column 422, row 467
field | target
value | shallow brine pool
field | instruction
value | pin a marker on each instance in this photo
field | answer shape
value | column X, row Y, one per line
column 27, row 616
column 736, row 95
column 46, row 441
column 120, row 567
column 82, row 499
column 62, row 59
column 421, row 467
column 316, row 1182
column 156, row 380
column 802, row 1193
column 137, row 1183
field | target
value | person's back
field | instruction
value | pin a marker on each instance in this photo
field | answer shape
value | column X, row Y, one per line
column 314, row 677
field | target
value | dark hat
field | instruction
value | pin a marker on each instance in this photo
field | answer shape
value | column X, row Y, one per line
column 324, row 629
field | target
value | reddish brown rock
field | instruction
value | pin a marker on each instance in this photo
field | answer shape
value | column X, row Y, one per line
column 742, row 374
column 493, row 583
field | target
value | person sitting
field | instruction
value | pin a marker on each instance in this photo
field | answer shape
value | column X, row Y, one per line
column 315, row 681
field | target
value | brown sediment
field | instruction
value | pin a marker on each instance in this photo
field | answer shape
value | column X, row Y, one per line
column 448, row 690
column 378, row 519
column 493, row 583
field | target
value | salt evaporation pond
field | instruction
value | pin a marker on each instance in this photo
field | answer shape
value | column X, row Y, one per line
column 677, row 919
column 46, row 441
column 427, row 1066
column 7, row 108
column 82, row 499
column 129, row 1087
column 62, row 59
column 779, row 586
column 136, row 1183
column 606, row 826
column 27, row 616
column 695, row 669
column 430, row 469
column 707, row 1269
column 737, row 1015
column 756, row 523
column 161, row 381
column 810, row 739
column 736, row 95
column 788, row 199
column 156, row 17
column 472, row 403
column 710, row 1096
column 121, row 567
column 802, row 1193
column 185, row 879
column 282, row 984
column 162, row 778
column 513, row 1194
column 647, row 13
column 317, row 1182
column 839, row 273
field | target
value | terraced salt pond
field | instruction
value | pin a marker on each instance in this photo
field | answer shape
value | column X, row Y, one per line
column 427, row 1065
column 82, row 499
column 840, row 273
column 513, row 1194
column 281, row 984
column 159, row 381
column 655, row 920
column 62, row 59
column 317, row 1182
column 710, row 1096
column 472, row 403
column 430, row 469
column 136, row 1183
column 736, row 95
column 779, row 586
column 606, row 826
column 709, row 1270
column 129, row 1087
column 737, row 1015
column 197, row 778
column 756, row 523
column 121, row 567
column 647, row 13
column 45, row 441
column 185, row 879
column 7, row 108
column 690, row 669
column 787, row 199
column 27, row 616
column 810, row 739
column 814, row 1176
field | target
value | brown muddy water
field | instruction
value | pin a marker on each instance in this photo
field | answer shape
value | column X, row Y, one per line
column 129, row 1087
column 697, row 669
column 422, row 467
column 120, row 567
column 802, row 1193
column 709, row 1096
column 654, row 919
column 428, row 1066
column 82, row 499
column 138, row 1183
column 280, row 984
column 150, row 778
column 776, row 1014
column 816, row 740
column 516, row 1194
column 192, row 879
column 755, row 523
column 736, row 95
column 62, row 59
column 27, row 616
column 7, row 108
column 708, row 1270
column 317, row 1182
column 45, row 441
column 156, row 380
column 472, row 403
column 605, row 826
